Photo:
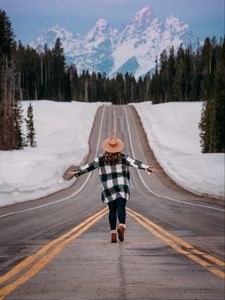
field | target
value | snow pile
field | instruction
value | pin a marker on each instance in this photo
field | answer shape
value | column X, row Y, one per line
column 62, row 133
column 173, row 134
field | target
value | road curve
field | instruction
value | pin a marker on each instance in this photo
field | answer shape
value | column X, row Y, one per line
column 174, row 244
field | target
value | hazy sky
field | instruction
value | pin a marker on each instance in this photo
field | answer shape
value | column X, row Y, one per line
column 30, row 17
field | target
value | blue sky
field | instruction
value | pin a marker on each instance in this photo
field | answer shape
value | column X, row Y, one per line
column 30, row 17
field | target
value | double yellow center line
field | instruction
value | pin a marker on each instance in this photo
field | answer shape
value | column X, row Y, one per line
column 34, row 263
column 206, row 260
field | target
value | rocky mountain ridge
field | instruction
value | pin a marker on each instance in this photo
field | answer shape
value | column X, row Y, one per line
column 132, row 49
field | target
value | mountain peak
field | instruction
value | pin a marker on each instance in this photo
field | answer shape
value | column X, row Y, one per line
column 101, row 23
column 144, row 13
column 171, row 20
column 59, row 31
column 101, row 26
column 176, row 24
column 134, row 48
column 56, row 26
column 100, row 32
column 143, row 18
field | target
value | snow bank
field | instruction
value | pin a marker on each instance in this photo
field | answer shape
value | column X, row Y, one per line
column 173, row 134
column 62, row 133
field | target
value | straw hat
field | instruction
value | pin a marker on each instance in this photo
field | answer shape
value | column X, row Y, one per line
column 113, row 145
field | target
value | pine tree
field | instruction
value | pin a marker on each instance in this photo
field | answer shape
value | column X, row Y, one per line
column 178, row 86
column 58, row 70
column 156, row 90
column 164, row 75
column 187, row 72
column 7, row 37
column 204, row 126
column 171, row 73
column 67, row 95
column 18, row 123
column 10, row 110
column 206, row 59
column 196, row 77
column 119, row 88
column 30, row 127
column 100, row 87
column 212, row 124
column 220, row 101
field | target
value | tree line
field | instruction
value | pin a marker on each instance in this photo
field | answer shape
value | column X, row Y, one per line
column 11, row 120
column 195, row 76
column 188, row 75
column 185, row 75
column 44, row 74
column 182, row 75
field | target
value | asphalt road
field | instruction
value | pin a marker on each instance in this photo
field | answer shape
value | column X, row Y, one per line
column 173, row 248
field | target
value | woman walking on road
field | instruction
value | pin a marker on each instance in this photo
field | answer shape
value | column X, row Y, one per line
column 114, row 175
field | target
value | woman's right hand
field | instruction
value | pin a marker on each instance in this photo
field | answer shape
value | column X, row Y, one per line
column 71, row 174
column 151, row 170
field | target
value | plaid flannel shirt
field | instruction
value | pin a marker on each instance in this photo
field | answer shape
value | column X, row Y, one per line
column 114, row 179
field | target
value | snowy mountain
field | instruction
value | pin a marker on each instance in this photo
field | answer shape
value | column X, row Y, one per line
column 48, row 37
column 132, row 49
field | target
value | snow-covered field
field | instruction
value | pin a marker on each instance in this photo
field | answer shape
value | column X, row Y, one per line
column 173, row 134
column 62, row 133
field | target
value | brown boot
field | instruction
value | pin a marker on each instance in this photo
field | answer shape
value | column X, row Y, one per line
column 120, row 232
column 113, row 237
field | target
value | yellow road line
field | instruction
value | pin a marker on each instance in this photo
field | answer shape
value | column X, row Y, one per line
column 82, row 227
column 180, row 241
column 46, row 259
column 146, row 223
column 42, row 262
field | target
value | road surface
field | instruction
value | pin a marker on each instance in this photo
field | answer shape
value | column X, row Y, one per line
column 58, row 247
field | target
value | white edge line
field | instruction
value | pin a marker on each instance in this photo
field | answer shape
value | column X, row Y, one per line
column 156, row 194
column 66, row 198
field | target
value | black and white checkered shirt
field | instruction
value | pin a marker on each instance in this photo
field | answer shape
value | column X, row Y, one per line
column 114, row 178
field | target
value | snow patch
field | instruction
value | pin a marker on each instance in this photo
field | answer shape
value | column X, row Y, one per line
column 173, row 134
column 62, row 134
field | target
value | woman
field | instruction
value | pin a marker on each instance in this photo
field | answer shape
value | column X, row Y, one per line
column 114, row 175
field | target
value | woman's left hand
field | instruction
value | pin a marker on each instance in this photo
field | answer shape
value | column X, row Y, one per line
column 69, row 175
column 152, row 170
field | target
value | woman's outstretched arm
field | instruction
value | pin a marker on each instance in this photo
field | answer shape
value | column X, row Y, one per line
column 86, row 168
column 139, row 164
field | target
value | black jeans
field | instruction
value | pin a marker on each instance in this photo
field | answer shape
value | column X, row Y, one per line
column 117, row 207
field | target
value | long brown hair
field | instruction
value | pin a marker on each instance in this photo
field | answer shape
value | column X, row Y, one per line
column 111, row 158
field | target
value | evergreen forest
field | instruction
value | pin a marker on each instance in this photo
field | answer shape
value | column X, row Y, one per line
column 184, row 75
